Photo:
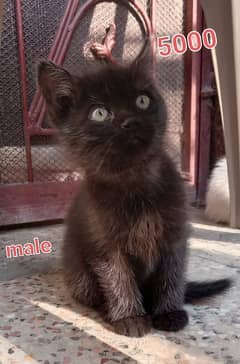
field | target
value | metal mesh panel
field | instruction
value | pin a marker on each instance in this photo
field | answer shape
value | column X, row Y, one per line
column 41, row 20
column 170, row 71
column 12, row 150
column 48, row 159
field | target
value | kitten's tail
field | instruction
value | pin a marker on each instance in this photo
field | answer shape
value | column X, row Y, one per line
column 198, row 290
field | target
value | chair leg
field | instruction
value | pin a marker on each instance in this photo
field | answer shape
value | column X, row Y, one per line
column 221, row 15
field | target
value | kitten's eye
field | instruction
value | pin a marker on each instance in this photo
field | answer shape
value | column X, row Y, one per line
column 143, row 102
column 99, row 114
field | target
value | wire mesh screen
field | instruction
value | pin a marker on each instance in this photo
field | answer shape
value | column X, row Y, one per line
column 13, row 167
column 50, row 162
column 170, row 72
column 41, row 20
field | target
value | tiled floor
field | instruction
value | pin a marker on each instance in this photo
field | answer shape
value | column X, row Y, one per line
column 39, row 323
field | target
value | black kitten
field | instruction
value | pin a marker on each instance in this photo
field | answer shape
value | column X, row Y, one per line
column 125, row 247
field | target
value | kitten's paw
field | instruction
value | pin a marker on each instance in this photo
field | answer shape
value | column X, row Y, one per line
column 171, row 321
column 132, row 326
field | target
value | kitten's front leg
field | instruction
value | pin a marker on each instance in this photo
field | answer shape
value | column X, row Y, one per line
column 124, row 309
column 165, row 291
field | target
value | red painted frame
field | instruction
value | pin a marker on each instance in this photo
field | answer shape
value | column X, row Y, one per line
column 193, row 69
column 32, row 201
column 35, row 202
column 198, row 93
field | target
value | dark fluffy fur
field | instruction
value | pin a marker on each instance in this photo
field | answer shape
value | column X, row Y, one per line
column 125, row 246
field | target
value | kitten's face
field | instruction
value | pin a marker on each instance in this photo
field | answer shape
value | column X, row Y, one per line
column 111, row 119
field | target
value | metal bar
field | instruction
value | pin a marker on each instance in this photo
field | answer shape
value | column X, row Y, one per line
column 153, row 37
column 23, row 73
column 57, row 57
column 185, row 137
column 72, row 26
column 205, row 128
column 195, row 93
column 71, row 8
column 24, row 203
column 192, row 96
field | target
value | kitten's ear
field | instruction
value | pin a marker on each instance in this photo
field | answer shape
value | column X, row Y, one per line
column 143, row 64
column 57, row 87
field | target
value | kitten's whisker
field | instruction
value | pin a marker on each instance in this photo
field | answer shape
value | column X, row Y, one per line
column 108, row 146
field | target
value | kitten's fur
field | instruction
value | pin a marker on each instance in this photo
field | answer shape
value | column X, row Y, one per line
column 218, row 199
column 125, row 247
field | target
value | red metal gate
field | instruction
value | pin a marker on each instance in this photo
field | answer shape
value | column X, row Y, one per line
column 36, row 182
column 28, row 193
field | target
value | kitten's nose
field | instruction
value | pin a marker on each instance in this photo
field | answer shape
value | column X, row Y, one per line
column 129, row 123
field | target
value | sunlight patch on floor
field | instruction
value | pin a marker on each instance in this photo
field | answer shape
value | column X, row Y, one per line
column 156, row 347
